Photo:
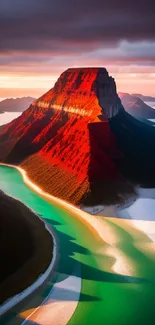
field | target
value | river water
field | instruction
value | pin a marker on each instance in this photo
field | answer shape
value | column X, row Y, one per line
column 118, row 274
column 7, row 117
column 152, row 104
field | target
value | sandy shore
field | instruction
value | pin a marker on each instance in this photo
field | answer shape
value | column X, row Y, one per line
column 93, row 221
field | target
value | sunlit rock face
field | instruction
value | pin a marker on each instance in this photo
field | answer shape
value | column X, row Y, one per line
column 74, row 92
column 85, row 91
column 67, row 132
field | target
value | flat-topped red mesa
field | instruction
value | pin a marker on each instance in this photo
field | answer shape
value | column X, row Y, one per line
column 63, row 139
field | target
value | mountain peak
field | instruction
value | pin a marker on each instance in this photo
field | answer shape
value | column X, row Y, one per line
column 84, row 91
column 86, row 69
column 66, row 133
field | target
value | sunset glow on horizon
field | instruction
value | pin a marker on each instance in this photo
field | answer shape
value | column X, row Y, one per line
column 41, row 39
column 20, row 85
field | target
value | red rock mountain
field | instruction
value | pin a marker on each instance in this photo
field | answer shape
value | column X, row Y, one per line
column 63, row 139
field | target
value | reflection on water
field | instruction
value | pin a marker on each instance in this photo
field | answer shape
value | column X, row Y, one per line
column 152, row 104
column 7, row 117
column 152, row 120
column 142, row 212
column 143, row 208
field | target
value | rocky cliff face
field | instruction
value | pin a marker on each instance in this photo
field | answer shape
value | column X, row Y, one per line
column 64, row 139
column 85, row 91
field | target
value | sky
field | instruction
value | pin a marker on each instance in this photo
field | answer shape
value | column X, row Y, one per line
column 39, row 39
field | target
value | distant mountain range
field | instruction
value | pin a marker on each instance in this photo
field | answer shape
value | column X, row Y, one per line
column 15, row 104
column 145, row 98
column 133, row 104
column 136, row 106
column 78, row 142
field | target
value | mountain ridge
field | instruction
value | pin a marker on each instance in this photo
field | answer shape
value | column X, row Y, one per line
column 15, row 104
column 136, row 107
column 145, row 98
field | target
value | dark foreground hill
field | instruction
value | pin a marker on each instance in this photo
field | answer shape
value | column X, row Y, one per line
column 77, row 141
column 25, row 247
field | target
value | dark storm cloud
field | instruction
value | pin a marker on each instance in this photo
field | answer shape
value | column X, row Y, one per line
column 68, row 25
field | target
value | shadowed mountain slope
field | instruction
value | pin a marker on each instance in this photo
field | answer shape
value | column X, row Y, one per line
column 136, row 107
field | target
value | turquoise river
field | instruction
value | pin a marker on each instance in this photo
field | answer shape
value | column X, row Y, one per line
column 108, row 295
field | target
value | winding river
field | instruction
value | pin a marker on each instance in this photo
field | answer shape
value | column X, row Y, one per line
column 95, row 281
